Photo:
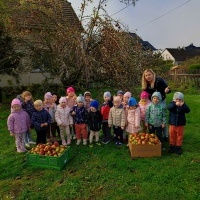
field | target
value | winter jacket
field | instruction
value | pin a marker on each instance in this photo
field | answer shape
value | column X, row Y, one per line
column 94, row 120
column 133, row 120
column 156, row 113
column 143, row 109
column 80, row 116
column 117, row 117
column 177, row 114
column 51, row 109
column 160, row 85
column 62, row 115
column 28, row 107
column 40, row 117
column 105, row 109
column 18, row 122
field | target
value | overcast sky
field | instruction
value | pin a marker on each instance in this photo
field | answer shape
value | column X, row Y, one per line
column 164, row 23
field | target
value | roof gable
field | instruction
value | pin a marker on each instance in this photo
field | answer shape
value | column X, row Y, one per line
column 40, row 12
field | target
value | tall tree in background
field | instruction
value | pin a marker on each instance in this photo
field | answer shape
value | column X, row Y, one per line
column 102, row 52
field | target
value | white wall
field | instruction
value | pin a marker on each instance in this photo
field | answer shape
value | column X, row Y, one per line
column 26, row 79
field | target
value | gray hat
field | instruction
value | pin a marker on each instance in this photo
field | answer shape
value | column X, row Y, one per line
column 80, row 98
column 178, row 95
column 107, row 94
column 157, row 94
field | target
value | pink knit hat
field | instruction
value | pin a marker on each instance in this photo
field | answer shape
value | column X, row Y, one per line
column 144, row 95
column 127, row 94
column 62, row 99
column 48, row 95
column 70, row 89
column 15, row 102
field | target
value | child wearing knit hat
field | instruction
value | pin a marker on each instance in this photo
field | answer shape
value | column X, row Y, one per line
column 18, row 123
column 64, row 120
column 50, row 107
column 104, row 110
column 177, row 120
column 94, row 122
column 88, row 99
column 79, row 113
column 143, row 104
column 71, row 102
column 133, row 117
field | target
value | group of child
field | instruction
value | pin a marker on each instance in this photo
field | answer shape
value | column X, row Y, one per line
column 81, row 117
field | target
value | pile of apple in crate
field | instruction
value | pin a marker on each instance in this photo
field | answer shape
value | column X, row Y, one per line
column 144, row 145
column 48, row 155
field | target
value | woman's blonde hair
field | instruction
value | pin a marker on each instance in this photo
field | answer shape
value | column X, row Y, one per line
column 145, row 82
column 26, row 93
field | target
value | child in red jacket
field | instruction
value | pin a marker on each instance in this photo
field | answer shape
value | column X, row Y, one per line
column 105, row 109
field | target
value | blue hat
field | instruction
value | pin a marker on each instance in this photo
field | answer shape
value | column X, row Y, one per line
column 94, row 104
column 132, row 101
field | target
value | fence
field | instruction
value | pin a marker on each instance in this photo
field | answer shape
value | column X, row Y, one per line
column 186, row 76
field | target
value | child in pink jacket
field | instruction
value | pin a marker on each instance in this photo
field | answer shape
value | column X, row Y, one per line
column 18, row 124
column 133, row 116
column 144, row 103
column 64, row 120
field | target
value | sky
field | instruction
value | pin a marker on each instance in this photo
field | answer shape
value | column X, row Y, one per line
column 163, row 23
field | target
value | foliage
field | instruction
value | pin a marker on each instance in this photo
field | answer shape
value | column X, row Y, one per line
column 105, row 172
column 103, row 52
column 9, row 58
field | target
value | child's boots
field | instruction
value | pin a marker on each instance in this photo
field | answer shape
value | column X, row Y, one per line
column 178, row 150
column 171, row 149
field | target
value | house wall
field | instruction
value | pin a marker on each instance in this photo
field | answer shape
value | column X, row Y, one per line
column 167, row 56
column 26, row 79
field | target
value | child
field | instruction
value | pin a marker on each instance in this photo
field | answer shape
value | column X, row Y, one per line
column 55, row 100
column 40, row 119
column 88, row 100
column 94, row 122
column 133, row 116
column 104, row 110
column 117, row 119
column 126, row 97
column 64, row 120
column 18, row 123
column 27, row 105
column 71, row 102
column 177, row 109
column 120, row 93
column 155, row 118
column 143, row 104
column 79, row 113
column 50, row 107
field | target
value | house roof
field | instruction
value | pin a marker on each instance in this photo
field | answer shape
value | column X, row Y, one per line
column 145, row 44
column 183, row 54
column 40, row 12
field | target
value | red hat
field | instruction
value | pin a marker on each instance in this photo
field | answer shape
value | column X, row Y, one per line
column 144, row 95
column 70, row 89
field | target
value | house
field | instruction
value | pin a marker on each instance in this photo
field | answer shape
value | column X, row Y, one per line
column 31, row 23
column 145, row 44
column 179, row 55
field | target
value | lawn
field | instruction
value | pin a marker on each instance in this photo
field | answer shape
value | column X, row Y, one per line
column 105, row 172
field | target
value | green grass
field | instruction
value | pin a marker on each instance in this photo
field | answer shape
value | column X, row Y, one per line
column 105, row 172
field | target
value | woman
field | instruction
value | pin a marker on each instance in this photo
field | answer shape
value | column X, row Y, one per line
column 152, row 83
